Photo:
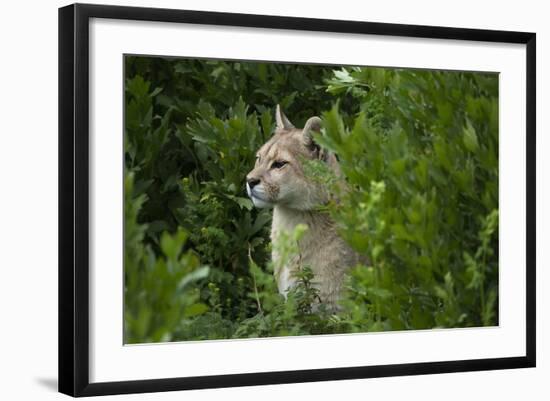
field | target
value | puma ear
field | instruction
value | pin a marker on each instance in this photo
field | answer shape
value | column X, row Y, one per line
column 282, row 122
column 312, row 125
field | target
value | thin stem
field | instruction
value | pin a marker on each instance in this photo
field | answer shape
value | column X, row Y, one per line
column 254, row 283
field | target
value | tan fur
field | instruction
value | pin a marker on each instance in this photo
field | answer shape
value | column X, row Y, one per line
column 294, row 200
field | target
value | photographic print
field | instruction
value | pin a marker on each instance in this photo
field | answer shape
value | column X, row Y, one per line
column 362, row 188
column 267, row 199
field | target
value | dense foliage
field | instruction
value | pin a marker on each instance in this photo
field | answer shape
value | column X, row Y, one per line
column 419, row 150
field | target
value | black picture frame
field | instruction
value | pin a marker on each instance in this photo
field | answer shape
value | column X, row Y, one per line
column 74, row 198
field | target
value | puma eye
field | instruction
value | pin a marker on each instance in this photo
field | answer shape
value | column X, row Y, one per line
column 278, row 164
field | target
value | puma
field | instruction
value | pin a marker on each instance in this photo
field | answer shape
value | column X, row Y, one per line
column 278, row 181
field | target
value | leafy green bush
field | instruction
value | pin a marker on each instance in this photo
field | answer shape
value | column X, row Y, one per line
column 159, row 291
column 424, row 172
column 418, row 149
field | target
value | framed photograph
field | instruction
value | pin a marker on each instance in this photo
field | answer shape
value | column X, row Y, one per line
column 252, row 199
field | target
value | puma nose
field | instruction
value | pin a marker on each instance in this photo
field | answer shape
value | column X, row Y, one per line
column 252, row 182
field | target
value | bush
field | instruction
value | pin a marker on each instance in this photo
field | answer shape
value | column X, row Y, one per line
column 419, row 149
column 424, row 170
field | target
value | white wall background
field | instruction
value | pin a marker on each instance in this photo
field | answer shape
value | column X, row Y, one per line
column 28, row 200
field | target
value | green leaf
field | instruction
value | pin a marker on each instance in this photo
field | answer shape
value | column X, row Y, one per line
column 138, row 87
column 470, row 138
column 155, row 92
column 198, row 274
column 244, row 203
column 195, row 310
column 172, row 245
